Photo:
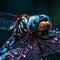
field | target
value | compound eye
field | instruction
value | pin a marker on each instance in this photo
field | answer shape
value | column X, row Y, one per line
column 44, row 17
column 45, row 24
column 44, row 27
column 33, row 23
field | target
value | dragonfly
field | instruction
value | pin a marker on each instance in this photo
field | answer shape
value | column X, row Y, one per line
column 33, row 37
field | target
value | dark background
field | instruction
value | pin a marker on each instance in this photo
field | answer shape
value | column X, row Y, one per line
column 18, row 7
column 48, row 7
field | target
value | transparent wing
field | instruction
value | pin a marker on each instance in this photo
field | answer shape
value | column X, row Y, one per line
column 7, row 21
column 49, row 46
column 52, row 45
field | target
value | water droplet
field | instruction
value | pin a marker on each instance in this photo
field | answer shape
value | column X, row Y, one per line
column 56, row 28
column 53, row 41
column 55, row 38
column 15, row 52
column 24, row 55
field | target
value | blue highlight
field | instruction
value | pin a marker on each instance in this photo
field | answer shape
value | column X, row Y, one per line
column 10, row 44
column 33, row 23
column 45, row 16
column 4, row 50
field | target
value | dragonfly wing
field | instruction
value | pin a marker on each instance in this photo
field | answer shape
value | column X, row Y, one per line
column 7, row 21
column 52, row 45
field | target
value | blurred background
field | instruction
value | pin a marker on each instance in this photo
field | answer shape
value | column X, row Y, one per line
column 18, row 7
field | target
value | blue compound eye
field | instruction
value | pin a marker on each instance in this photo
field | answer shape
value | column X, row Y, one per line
column 33, row 23
column 45, row 17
